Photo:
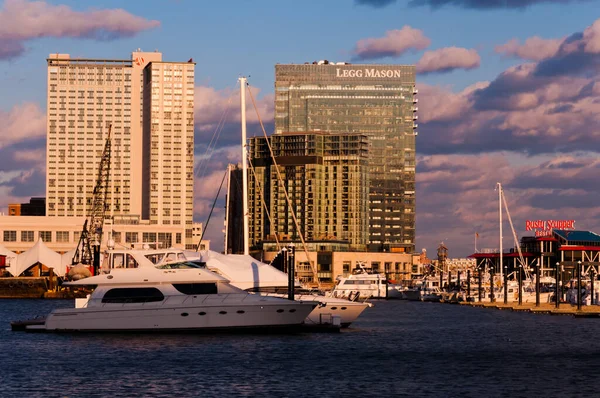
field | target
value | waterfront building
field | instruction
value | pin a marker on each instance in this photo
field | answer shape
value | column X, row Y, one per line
column 62, row 234
column 35, row 207
column 378, row 101
column 330, row 259
column 149, row 105
column 324, row 176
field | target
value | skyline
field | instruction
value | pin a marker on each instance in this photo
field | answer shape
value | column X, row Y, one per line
column 506, row 94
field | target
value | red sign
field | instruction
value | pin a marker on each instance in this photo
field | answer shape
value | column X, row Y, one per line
column 545, row 227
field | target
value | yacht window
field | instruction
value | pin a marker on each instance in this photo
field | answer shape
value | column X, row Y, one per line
column 133, row 295
column 155, row 258
column 181, row 257
column 171, row 257
column 118, row 260
column 349, row 282
column 196, row 288
column 131, row 262
column 181, row 265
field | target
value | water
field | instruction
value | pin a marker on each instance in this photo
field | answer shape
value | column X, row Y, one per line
column 397, row 348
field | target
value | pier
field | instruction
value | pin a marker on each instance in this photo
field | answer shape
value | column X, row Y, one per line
column 588, row 311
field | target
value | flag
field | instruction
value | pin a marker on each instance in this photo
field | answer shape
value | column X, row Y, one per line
column 477, row 234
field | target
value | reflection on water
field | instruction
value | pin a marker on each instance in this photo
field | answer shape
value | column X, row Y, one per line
column 396, row 348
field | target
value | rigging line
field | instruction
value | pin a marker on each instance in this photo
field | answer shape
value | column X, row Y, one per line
column 211, row 211
column 214, row 139
column 312, row 266
column 262, row 199
column 516, row 241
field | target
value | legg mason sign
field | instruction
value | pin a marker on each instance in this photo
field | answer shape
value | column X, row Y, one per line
column 368, row 72
column 545, row 227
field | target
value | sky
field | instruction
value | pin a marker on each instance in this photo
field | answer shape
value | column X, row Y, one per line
column 509, row 92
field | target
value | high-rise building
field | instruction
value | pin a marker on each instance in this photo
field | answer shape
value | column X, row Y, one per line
column 149, row 104
column 315, row 184
column 374, row 100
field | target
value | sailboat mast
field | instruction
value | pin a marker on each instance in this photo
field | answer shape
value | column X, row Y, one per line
column 500, row 217
column 244, row 164
column 227, row 199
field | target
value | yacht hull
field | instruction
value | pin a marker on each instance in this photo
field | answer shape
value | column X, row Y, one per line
column 135, row 317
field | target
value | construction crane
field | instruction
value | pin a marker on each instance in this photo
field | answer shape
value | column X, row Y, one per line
column 87, row 252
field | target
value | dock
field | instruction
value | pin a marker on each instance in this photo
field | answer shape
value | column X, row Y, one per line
column 587, row 311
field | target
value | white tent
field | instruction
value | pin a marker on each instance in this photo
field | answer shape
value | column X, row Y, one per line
column 39, row 253
column 11, row 259
column 66, row 260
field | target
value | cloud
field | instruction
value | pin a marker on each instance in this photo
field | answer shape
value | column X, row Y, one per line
column 375, row 3
column 393, row 44
column 22, row 20
column 489, row 4
column 534, row 49
column 22, row 122
column 448, row 59
column 578, row 54
column 535, row 188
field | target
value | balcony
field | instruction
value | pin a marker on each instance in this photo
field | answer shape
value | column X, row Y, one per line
column 415, row 91
column 415, row 117
column 415, row 108
column 415, row 100
column 415, row 125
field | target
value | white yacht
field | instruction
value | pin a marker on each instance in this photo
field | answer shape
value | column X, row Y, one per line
column 362, row 284
column 178, row 296
column 246, row 273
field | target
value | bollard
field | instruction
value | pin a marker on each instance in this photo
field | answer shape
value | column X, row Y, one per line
column 479, row 281
column 505, row 284
column 492, row 298
column 468, row 284
column 556, row 287
column 592, row 276
column 537, row 285
column 520, row 284
column 578, row 285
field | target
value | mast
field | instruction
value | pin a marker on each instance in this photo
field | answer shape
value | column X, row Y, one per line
column 227, row 198
column 500, row 217
column 244, row 164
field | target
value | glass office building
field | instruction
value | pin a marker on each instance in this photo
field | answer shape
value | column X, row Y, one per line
column 378, row 101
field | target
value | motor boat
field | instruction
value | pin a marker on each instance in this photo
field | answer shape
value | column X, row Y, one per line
column 362, row 284
column 245, row 273
column 176, row 296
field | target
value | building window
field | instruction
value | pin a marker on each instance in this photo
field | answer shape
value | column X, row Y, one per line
column 46, row 236
column 116, row 237
column 165, row 239
column 10, row 236
column 26, row 236
column 62, row 236
column 131, row 237
column 149, row 237
column 178, row 238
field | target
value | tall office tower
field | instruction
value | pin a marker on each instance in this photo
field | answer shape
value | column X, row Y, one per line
column 85, row 97
column 168, row 161
column 374, row 100
column 325, row 176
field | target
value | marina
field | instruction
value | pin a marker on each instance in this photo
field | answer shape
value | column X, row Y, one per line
column 397, row 348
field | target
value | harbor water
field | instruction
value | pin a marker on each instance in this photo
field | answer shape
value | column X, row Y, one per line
column 396, row 348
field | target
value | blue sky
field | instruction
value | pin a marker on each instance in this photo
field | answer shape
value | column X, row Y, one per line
column 471, row 135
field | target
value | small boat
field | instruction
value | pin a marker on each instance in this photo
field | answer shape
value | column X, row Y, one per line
column 179, row 296
column 363, row 284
